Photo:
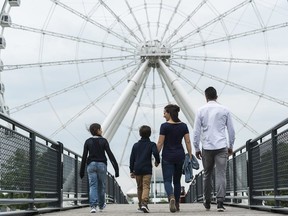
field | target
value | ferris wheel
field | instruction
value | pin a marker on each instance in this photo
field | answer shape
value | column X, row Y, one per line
column 66, row 64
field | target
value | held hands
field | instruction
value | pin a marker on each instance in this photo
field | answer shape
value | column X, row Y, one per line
column 156, row 164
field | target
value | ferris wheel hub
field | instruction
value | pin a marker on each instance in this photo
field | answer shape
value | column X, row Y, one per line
column 154, row 50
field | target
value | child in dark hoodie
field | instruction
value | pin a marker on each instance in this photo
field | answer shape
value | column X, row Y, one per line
column 141, row 165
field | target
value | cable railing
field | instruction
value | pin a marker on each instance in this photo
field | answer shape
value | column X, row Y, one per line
column 39, row 175
column 257, row 173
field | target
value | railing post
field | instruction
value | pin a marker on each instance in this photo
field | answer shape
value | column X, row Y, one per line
column 76, row 180
column 275, row 167
column 32, row 168
column 249, row 172
column 60, row 174
column 234, row 179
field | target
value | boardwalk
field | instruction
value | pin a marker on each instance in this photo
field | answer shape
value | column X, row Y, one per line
column 195, row 209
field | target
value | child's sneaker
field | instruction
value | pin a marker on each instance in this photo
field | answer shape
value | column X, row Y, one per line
column 145, row 208
column 93, row 209
column 103, row 207
column 139, row 209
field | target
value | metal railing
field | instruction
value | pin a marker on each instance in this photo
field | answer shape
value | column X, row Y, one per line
column 38, row 174
column 257, row 173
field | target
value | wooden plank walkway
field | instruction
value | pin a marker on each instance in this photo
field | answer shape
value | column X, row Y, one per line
column 191, row 209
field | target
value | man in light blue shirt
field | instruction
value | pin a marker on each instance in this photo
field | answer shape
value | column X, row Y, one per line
column 211, row 124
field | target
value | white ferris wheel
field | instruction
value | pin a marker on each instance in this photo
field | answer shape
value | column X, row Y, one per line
column 68, row 63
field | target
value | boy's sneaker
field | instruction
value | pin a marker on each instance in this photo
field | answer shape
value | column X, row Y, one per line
column 103, row 207
column 207, row 205
column 145, row 208
column 220, row 207
column 139, row 209
column 93, row 209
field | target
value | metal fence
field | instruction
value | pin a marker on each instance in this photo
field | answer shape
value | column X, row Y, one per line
column 257, row 173
column 38, row 174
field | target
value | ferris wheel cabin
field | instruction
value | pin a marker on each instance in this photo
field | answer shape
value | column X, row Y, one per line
column 2, row 42
column 1, row 65
column 14, row 3
column 5, row 20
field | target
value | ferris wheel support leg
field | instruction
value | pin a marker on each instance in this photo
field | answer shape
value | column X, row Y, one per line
column 178, row 92
column 121, row 107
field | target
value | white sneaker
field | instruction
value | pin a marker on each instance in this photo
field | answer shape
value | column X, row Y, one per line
column 93, row 209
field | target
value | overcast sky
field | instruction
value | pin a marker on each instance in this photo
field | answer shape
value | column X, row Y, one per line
column 239, row 47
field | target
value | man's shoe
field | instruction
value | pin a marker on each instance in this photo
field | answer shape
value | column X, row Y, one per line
column 220, row 207
column 93, row 209
column 207, row 206
column 145, row 208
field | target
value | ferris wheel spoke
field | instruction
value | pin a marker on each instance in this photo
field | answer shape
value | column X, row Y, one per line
column 232, row 84
column 254, row 6
column 244, row 124
column 187, row 80
column 66, row 62
column 120, row 21
column 230, row 60
column 231, row 37
column 69, row 37
column 159, row 17
column 136, row 21
column 84, row 17
column 216, row 12
column 170, row 20
column 148, row 21
column 69, row 88
column 185, row 21
column 211, row 22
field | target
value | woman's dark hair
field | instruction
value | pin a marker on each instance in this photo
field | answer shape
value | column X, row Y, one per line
column 94, row 129
column 173, row 110
column 211, row 93
column 145, row 131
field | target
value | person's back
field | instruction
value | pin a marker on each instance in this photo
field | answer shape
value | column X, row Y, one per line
column 94, row 154
column 173, row 150
column 214, row 118
column 211, row 121
column 141, row 165
column 171, row 134
column 142, row 156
